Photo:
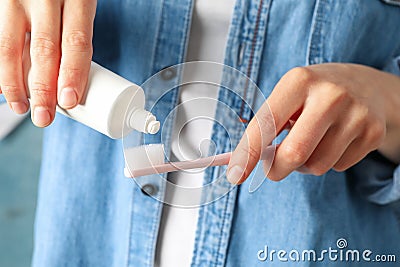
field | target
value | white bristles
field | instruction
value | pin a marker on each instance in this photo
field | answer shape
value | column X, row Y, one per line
column 143, row 157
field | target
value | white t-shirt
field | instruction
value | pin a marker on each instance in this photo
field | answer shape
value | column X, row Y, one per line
column 192, row 132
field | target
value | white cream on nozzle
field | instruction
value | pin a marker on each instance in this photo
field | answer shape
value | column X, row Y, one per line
column 112, row 105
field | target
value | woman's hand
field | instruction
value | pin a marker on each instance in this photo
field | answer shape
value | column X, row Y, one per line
column 59, row 49
column 338, row 112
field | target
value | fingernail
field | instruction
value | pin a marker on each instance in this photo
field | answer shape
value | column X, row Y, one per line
column 41, row 116
column 19, row 107
column 68, row 98
column 234, row 175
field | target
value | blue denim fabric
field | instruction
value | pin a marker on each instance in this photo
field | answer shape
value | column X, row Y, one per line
column 88, row 214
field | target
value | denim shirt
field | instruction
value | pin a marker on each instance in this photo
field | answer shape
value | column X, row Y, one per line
column 89, row 214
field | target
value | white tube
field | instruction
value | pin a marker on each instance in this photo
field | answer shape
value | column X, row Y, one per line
column 112, row 105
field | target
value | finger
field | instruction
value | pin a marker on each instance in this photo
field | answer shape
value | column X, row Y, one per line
column 246, row 155
column 12, row 37
column 26, row 61
column 284, row 102
column 330, row 149
column 369, row 140
column 355, row 152
column 301, row 141
column 77, row 34
column 45, row 57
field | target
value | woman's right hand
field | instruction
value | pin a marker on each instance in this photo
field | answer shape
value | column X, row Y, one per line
column 59, row 48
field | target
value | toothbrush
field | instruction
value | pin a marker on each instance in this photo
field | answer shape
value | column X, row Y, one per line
column 217, row 160
column 149, row 159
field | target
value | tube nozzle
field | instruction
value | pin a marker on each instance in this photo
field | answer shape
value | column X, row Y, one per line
column 143, row 121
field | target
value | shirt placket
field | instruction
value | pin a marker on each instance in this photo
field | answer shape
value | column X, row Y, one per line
column 243, row 52
column 169, row 49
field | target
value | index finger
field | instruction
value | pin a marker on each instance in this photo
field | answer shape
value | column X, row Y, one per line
column 282, row 104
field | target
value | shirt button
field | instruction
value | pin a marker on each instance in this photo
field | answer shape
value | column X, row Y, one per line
column 168, row 73
column 240, row 56
column 149, row 189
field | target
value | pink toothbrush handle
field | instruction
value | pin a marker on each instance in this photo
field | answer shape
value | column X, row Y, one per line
column 217, row 160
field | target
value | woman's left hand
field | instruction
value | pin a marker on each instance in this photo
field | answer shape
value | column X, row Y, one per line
column 338, row 112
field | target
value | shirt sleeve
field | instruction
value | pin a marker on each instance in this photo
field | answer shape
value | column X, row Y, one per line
column 375, row 177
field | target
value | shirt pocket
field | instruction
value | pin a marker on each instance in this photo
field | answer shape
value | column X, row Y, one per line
column 363, row 32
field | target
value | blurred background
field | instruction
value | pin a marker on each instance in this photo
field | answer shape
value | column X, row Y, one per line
column 20, row 156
